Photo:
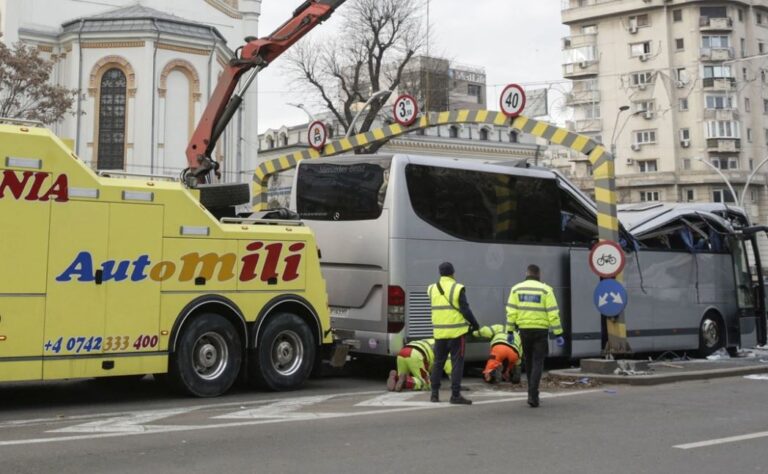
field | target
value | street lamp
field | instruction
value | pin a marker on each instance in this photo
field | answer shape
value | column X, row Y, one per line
column 727, row 182
column 302, row 107
column 622, row 108
column 360, row 112
column 749, row 180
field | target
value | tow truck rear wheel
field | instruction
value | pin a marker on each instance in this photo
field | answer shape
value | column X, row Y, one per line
column 208, row 356
column 285, row 353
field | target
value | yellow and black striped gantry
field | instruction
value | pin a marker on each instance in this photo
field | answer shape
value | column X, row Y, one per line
column 602, row 167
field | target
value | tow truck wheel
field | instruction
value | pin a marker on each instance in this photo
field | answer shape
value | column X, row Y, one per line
column 284, row 354
column 711, row 335
column 208, row 356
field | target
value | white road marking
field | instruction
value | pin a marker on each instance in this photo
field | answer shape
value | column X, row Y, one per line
column 178, row 428
column 757, row 377
column 395, row 399
column 133, row 423
column 730, row 439
column 283, row 409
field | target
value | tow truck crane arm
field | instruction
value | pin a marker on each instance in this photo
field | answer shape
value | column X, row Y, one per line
column 254, row 56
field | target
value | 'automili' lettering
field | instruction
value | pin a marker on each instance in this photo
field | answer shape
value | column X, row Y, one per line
column 194, row 265
column 34, row 186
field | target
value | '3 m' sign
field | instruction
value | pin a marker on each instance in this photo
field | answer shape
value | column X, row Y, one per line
column 34, row 186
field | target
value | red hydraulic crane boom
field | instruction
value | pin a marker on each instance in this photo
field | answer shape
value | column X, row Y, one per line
column 254, row 56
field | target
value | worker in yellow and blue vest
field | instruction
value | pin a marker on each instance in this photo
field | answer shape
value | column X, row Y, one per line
column 451, row 320
column 532, row 308
column 414, row 363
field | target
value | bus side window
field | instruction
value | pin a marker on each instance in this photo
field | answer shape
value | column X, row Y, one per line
column 578, row 226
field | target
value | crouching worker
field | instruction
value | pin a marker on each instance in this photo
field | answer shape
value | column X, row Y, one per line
column 414, row 363
column 506, row 358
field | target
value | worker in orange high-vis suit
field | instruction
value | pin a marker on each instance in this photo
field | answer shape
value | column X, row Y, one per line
column 532, row 309
column 504, row 362
column 414, row 363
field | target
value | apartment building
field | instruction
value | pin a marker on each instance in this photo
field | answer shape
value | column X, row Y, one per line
column 676, row 88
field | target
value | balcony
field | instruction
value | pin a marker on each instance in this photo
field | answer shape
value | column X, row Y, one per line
column 580, row 69
column 580, row 10
column 716, row 54
column 576, row 41
column 585, row 125
column 721, row 114
column 715, row 24
column 577, row 97
column 719, row 83
column 723, row 145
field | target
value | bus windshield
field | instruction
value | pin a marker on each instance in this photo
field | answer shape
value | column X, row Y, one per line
column 342, row 192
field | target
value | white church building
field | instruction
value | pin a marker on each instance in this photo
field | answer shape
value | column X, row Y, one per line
column 145, row 70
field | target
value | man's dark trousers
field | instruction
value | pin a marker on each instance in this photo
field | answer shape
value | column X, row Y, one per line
column 456, row 348
column 535, row 348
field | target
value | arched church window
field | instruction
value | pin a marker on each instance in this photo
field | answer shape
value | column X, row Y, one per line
column 112, row 100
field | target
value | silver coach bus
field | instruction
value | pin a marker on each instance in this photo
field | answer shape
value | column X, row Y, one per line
column 384, row 223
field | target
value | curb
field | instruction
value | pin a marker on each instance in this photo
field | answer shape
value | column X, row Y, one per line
column 575, row 374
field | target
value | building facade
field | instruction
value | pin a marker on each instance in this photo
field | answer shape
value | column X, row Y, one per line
column 144, row 71
column 669, row 86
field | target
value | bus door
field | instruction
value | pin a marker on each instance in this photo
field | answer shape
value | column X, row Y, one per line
column 750, row 289
column 585, row 323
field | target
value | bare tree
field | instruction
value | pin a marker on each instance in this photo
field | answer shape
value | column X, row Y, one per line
column 25, row 90
column 378, row 39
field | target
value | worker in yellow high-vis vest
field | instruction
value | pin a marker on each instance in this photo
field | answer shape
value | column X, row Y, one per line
column 451, row 320
column 532, row 308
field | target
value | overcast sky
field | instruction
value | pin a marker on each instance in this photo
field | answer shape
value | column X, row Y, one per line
column 515, row 40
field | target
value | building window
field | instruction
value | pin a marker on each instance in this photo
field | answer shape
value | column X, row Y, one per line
column 753, row 195
column 765, row 106
column 270, row 143
column 717, row 163
column 761, row 47
column 744, row 73
column 751, row 164
column 513, row 137
column 747, row 104
column 644, row 106
column 484, row 134
column 111, row 141
column 683, row 104
column 641, row 78
column 717, row 72
column 453, row 132
column 690, row 195
column 647, row 166
column 743, row 43
column 475, row 90
column 649, row 196
column 645, row 137
column 733, row 163
column 759, row 18
column 715, row 41
column 740, row 13
column 677, row 15
column 640, row 49
column 686, row 163
column 762, row 75
column 682, row 75
column 749, row 135
column 722, row 195
column 588, row 29
column 685, row 134
column 718, row 102
column 766, row 136
column 679, row 44
column 282, row 140
column 638, row 21
column 723, row 129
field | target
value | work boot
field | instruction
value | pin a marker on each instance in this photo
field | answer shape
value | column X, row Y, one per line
column 533, row 402
column 460, row 401
column 401, row 380
column 392, row 380
column 435, row 398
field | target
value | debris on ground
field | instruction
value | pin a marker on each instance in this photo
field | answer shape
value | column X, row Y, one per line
column 720, row 354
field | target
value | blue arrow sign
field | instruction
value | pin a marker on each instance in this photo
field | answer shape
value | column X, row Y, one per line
column 610, row 297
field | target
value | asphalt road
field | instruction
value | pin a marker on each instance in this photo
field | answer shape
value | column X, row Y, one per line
column 350, row 425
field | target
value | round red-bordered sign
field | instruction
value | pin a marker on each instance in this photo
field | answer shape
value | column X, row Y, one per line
column 512, row 101
column 317, row 135
column 405, row 110
column 606, row 259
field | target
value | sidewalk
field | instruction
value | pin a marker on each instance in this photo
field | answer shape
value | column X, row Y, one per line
column 751, row 361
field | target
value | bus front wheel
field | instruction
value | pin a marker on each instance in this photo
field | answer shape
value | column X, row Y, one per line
column 711, row 335
column 285, row 353
column 208, row 356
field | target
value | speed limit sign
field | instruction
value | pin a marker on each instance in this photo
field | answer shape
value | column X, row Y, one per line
column 512, row 100
column 405, row 110
column 317, row 135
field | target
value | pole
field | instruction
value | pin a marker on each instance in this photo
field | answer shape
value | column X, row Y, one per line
column 365, row 106
column 725, row 179
column 749, row 180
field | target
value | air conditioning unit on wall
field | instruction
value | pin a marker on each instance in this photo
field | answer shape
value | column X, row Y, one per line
column 648, row 114
column 632, row 29
column 642, row 87
column 685, row 143
column 630, row 162
column 635, row 147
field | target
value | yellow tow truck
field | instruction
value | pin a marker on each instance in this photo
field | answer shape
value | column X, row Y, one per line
column 113, row 276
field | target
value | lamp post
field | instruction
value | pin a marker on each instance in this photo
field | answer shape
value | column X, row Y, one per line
column 749, row 180
column 727, row 183
column 302, row 107
column 622, row 109
column 365, row 106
